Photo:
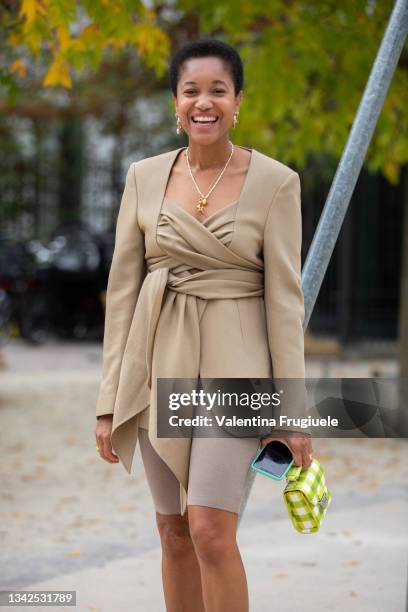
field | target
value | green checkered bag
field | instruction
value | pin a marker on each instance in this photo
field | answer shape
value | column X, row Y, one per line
column 306, row 496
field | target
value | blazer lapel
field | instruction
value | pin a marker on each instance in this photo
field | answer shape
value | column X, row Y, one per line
column 151, row 186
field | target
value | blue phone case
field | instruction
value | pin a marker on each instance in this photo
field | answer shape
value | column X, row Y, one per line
column 260, row 471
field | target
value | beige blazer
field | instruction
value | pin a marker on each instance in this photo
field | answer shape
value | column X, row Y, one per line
column 221, row 298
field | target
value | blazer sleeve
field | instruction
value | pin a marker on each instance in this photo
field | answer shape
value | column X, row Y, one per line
column 284, row 300
column 126, row 275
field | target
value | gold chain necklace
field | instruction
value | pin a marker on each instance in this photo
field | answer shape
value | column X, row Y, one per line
column 203, row 198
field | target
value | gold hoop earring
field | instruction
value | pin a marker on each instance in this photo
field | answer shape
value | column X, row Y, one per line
column 178, row 124
column 235, row 118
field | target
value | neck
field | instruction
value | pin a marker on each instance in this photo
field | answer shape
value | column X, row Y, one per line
column 205, row 157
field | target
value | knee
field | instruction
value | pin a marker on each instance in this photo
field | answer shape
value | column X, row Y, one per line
column 174, row 535
column 211, row 542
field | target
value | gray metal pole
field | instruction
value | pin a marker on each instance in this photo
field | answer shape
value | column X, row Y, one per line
column 349, row 169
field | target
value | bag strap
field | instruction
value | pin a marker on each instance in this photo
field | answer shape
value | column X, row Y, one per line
column 293, row 473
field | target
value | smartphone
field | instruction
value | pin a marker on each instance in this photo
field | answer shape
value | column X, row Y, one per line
column 273, row 460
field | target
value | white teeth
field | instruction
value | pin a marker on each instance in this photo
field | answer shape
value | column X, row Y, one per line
column 204, row 119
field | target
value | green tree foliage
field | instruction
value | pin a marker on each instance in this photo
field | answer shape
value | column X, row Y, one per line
column 306, row 63
column 307, row 66
column 66, row 35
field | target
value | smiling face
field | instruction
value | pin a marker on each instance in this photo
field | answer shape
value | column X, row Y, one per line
column 206, row 100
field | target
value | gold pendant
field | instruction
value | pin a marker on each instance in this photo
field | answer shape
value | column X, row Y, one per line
column 201, row 203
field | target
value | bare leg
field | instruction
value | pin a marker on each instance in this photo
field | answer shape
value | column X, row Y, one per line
column 180, row 568
column 223, row 578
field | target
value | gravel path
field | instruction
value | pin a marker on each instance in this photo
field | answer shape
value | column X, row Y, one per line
column 71, row 521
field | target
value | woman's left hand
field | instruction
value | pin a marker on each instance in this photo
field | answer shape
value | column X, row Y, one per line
column 300, row 445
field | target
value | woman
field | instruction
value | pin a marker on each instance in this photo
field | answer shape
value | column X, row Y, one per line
column 204, row 282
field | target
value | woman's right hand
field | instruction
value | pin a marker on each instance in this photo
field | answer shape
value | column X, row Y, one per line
column 103, row 431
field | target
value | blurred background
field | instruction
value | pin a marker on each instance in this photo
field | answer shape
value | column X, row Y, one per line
column 83, row 93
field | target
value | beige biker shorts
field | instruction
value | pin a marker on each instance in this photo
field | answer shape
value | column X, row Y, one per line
column 217, row 474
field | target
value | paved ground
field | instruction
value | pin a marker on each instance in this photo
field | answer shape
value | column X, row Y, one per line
column 71, row 521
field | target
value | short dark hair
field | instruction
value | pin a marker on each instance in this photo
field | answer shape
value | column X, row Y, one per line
column 207, row 47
